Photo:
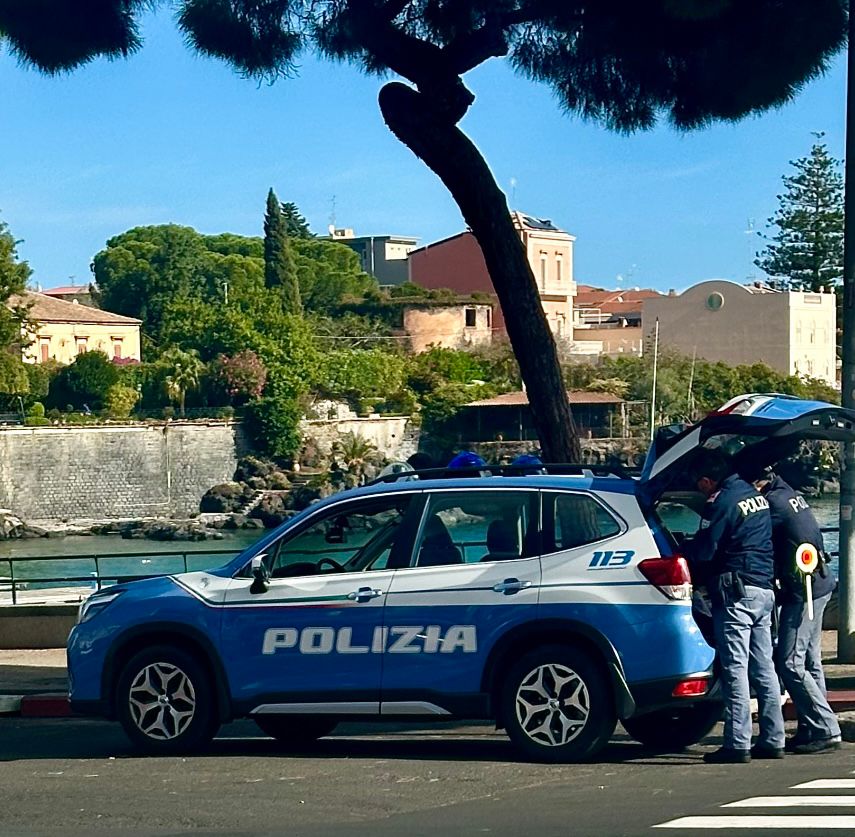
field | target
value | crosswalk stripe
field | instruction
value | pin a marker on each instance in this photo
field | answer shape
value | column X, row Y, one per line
column 826, row 784
column 793, row 802
column 794, row 822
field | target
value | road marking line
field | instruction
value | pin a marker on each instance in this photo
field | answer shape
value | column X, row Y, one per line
column 812, row 823
column 826, row 784
column 793, row 802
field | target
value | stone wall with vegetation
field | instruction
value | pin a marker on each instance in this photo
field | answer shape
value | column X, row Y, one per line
column 57, row 473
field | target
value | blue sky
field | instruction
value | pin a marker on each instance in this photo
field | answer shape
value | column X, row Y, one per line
column 168, row 137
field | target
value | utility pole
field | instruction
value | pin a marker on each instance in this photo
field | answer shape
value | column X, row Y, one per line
column 846, row 593
column 653, row 394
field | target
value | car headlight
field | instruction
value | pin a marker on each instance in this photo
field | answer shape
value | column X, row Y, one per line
column 96, row 603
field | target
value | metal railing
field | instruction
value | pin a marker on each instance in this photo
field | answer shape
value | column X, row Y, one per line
column 101, row 573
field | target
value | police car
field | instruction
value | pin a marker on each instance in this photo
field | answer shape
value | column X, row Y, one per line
column 550, row 600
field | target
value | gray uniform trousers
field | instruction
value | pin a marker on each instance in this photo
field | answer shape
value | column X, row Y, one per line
column 798, row 658
column 743, row 632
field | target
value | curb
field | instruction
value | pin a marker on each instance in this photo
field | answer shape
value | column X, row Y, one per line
column 36, row 706
column 10, row 704
column 847, row 725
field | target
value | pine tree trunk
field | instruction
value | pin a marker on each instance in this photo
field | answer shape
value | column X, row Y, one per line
column 414, row 120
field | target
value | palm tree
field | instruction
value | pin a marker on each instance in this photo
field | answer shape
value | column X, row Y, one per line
column 354, row 452
column 185, row 370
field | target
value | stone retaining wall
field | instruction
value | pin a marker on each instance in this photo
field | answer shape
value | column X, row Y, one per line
column 59, row 473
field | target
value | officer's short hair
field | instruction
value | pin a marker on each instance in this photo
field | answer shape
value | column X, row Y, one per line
column 712, row 464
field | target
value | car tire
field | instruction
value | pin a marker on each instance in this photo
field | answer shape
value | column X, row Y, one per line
column 295, row 732
column 165, row 701
column 677, row 728
column 557, row 705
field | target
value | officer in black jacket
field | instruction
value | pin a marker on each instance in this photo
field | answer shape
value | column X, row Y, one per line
column 733, row 553
column 798, row 656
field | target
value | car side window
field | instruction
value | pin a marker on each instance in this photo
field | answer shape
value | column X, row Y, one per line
column 348, row 538
column 466, row 527
column 572, row 520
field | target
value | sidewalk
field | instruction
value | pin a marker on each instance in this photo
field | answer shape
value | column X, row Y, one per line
column 33, row 683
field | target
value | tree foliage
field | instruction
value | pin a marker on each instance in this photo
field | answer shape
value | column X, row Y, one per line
column 806, row 250
column 296, row 225
column 280, row 272
column 14, row 274
column 183, row 373
column 85, row 382
column 273, row 424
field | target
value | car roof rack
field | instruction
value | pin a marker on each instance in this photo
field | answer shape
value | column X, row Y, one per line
column 563, row 469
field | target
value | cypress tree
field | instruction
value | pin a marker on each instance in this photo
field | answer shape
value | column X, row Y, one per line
column 279, row 269
column 806, row 251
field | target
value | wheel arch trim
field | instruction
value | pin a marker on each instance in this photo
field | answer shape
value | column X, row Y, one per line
column 137, row 638
column 556, row 631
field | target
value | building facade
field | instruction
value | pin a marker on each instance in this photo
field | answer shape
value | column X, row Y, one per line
column 611, row 317
column 64, row 330
column 794, row 332
column 450, row 326
column 458, row 263
column 382, row 256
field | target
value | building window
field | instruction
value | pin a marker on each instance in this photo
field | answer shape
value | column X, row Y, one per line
column 44, row 346
column 560, row 324
column 470, row 314
column 813, row 331
column 117, row 347
column 543, row 270
column 558, row 266
column 489, row 318
column 81, row 344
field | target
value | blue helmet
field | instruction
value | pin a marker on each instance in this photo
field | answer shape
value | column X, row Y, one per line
column 528, row 460
column 467, row 459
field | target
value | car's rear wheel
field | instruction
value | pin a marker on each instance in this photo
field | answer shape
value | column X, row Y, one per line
column 557, row 705
column 295, row 731
column 164, row 700
column 677, row 728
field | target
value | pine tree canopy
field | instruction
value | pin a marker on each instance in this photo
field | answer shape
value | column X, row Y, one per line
column 296, row 225
column 621, row 62
column 806, row 251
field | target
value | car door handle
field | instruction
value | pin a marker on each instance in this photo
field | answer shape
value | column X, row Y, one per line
column 364, row 594
column 510, row 586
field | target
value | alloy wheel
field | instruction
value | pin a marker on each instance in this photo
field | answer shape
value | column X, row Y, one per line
column 162, row 701
column 552, row 704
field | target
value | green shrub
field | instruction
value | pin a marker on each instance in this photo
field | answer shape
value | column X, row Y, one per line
column 121, row 400
column 273, row 424
column 85, row 382
column 37, row 410
column 36, row 421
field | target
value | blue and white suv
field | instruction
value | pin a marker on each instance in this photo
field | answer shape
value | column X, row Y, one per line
column 553, row 603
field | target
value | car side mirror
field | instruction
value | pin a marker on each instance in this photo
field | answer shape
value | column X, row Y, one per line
column 260, row 576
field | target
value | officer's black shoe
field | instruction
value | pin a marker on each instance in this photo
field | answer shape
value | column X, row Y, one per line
column 794, row 741
column 819, row 745
column 760, row 751
column 727, row 755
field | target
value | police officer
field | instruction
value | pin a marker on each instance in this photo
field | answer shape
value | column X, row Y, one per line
column 733, row 552
column 798, row 656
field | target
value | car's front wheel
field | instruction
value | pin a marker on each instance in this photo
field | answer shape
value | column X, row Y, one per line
column 164, row 700
column 294, row 732
column 557, row 705
column 677, row 728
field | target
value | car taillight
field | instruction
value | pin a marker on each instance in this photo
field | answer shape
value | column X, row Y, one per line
column 693, row 687
column 670, row 575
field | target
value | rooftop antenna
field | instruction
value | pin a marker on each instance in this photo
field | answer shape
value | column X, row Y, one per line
column 749, row 232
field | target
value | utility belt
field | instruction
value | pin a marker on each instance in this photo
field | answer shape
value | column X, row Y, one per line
column 727, row 588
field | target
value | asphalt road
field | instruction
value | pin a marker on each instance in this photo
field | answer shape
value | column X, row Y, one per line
column 80, row 776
